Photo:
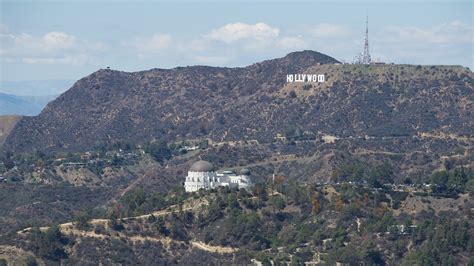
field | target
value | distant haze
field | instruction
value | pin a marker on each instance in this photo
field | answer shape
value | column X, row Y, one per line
column 31, row 96
column 35, row 87
column 23, row 105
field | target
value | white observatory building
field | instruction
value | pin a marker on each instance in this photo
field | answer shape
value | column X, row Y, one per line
column 202, row 174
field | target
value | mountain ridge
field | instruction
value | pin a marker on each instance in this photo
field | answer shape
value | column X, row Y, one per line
column 253, row 102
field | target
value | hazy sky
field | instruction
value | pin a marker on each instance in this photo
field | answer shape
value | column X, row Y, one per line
column 71, row 39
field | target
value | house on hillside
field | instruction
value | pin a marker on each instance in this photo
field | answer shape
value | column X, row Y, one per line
column 86, row 156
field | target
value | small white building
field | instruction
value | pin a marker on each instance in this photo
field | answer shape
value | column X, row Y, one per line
column 202, row 174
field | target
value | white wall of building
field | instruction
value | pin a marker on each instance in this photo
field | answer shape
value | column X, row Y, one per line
column 208, row 180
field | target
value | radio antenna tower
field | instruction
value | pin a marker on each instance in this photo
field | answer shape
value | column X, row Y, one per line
column 366, row 56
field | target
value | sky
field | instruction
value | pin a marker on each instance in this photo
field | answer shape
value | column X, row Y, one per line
column 47, row 40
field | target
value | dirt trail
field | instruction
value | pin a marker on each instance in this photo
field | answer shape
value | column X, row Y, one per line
column 366, row 151
column 68, row 229
column 170, row 210
column 213, row 249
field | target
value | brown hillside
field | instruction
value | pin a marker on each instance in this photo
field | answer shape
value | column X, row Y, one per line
column 254, row 102
column 7, row 123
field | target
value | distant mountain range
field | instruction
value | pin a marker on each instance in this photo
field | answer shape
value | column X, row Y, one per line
column 23, row 105
column 29, row 97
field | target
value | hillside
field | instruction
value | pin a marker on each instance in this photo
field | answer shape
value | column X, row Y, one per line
column 287, row 223
column 254, row 102
column 413, row 118
column 7, row 123
column 179, row 103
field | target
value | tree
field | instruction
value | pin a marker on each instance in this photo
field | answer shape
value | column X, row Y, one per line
column 339, row 204
column 177, row 231
column 117, row 161
column 381, row 174
column 203, row 144
column 366, row 199
column 7, row 160
column 134, row 200
column 315, row 205
column 299, row 194
column 232, row 202
column 352, row 171
column 40, row 163
column 277, row 182
column 259, row 191
column 151, row 218
column 116, row 225
column 448, row 164
column 277, row 203
column 293, row 132
column 27, row 260
column 339, row 236
column 161, row 227
column 160, row 151
column 318, row 236
column 82, row 220
column 452, row 182
column 457, row 179
column 439, row 178
column 295, row 260
column 50, row 244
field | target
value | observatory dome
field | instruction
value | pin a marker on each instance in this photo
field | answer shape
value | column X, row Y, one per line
column 202, row 166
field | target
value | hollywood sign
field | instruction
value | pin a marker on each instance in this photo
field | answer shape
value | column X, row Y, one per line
column 304, row 78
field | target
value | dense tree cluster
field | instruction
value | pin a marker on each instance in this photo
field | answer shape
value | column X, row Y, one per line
column 453, row 181
column 440, row 240
column 358, row 171
column 159, row 150
column 50, row 244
